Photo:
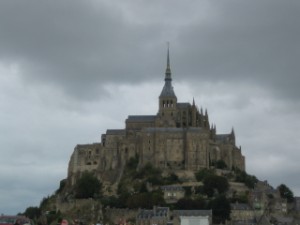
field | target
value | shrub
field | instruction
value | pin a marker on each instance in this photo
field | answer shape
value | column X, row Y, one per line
column 87, row 186
column 201, row 174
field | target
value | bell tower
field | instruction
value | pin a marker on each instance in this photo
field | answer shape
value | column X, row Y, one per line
column 167, row 98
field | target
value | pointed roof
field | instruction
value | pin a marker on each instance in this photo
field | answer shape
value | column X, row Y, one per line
column 168, row 69
column 167, row 90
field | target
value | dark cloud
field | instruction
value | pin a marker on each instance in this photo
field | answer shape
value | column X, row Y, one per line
column 74, row 44
column 81, row 45
column 255, row 42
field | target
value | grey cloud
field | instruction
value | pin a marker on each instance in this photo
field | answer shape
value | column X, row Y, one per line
column 255, row 42
column 74, row 45
column 79, row 46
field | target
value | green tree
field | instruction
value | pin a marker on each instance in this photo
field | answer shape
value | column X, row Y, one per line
column 62, row 184
column 110, row 201
column 145, row 200
column 32, row 212
column 87, row 186
column 133, row 163
column 215, row 183
column 220, row 164
column 221, row 209
column 201, row 174
column 148, row 171
column 189, row 204
column 243, row 177
column 172, row 179
column 286, row 193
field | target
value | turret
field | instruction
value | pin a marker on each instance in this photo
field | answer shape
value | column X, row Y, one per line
column 194, row 114
column 206, row 120
column 232, row 136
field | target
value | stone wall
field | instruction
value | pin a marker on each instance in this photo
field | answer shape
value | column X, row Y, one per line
column 117, row 216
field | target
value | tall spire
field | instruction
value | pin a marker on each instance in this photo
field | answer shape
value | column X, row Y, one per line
column 168, row 88
column 168, row 69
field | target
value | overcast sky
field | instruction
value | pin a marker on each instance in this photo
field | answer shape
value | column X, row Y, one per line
column 69, row 70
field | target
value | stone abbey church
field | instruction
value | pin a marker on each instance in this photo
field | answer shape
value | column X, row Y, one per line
column 178, row 137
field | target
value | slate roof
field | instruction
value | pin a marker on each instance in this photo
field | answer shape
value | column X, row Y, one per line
column 183, row 105
column 115, row 132
column 240, row 206
column 140, row 118
column 172, row 188
column 222, row 137
column 173, row 129
column 192, row 212
column 156, row 212
column 168, row 90
column 163, row 129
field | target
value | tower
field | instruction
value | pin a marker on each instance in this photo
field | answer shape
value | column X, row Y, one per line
column 167, row 98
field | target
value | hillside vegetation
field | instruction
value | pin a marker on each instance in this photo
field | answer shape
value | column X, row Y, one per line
column 141, row 188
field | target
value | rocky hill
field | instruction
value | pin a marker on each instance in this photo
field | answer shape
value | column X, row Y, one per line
column 241, row 196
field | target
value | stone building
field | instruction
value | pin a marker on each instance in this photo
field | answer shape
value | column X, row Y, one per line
column 172, row 193
column 178, row 137
column 157, row 215
column 192, row 217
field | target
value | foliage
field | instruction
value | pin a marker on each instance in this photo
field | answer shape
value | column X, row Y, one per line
column 201, row 174
column 55, row 216
column 32, row 212
column 241, row 198
column 187, row 191
column 220, row 164
column 133, row 163
column 190, row 204
column 215, row 183
column 62, row 184
column 199, row 190
column 270, row 196
column 143, row 188
column 145, row 200
column 111, row 201
column 148, row 171
column 87, row 186
column 243, row 177
column 221, row 209
column 171, row 179
column 286, row 193
column 155, row 179
column 45, row 202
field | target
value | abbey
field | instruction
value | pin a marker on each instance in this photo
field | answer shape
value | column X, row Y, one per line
column 178, row 137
